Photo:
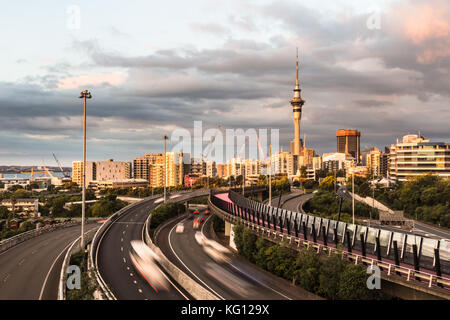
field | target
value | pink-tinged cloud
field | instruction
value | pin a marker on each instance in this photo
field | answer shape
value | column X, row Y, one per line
column 111, row 78
column 426, row 24
column 425, row 20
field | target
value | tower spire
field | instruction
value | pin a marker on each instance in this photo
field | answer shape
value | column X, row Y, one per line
column 296, row 69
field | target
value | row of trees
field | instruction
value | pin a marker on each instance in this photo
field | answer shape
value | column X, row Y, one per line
column 425, row 197
column 326, row 276
column 325, row 203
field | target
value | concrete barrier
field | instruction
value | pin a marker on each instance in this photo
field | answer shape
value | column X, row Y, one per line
column 191, row 286
column 13, row 241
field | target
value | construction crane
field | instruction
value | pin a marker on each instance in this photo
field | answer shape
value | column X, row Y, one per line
column 60, row 166
column 33, row 172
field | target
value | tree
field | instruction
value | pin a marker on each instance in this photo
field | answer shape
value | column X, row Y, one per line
column 352, row 284
column 303, row 171
column 327, row 184
column 308, row 270
column 4, row 212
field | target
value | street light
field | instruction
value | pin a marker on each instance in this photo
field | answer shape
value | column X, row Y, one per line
column 165, row 166
column 84, row 95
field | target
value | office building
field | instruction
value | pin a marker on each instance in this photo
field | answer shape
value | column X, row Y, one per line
column 100, row 171
column 416, row 156
column 348, row 142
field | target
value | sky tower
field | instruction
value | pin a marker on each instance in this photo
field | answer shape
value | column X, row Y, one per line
column 297, row 104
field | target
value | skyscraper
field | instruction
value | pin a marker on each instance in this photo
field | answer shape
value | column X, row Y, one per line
column 297, row 104
column 348, row 143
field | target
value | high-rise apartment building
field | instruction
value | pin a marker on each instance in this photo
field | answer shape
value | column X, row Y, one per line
column 151, row 168
column 348, row 142
column 108, row 170
column 415, row 156
column 222, row 170
column 282, row 162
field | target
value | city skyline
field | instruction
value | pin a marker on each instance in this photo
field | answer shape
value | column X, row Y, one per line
column 236, row 70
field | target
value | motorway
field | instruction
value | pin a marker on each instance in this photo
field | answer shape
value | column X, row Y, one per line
column 31, row 269
column 236, row 279
column 113, row 258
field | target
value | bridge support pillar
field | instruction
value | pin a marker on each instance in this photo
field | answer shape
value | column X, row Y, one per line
column 229, row 232
column 260, row 196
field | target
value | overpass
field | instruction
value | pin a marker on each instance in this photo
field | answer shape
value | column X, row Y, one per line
column 416, row 262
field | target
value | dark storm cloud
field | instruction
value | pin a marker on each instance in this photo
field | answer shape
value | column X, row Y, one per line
column 378, row 81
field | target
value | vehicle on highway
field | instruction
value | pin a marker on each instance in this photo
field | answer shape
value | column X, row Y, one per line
column 215, row 250
column 207, row 211
column 180, row 228
column 197, row 222
column 144, row 261
column 196, row 212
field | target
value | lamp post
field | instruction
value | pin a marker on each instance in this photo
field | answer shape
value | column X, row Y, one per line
column 84, row 95
column 353, row 197
column 270, row 175
column 165, row 167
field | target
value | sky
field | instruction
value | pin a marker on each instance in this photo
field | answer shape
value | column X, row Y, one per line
column 382, row 67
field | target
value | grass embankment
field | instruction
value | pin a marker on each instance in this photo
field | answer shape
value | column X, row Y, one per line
column 87, row 283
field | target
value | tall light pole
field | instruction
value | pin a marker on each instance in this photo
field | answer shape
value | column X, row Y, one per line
column 270, row 175
column 84, row 95
column 353, row 197
column 165, row 167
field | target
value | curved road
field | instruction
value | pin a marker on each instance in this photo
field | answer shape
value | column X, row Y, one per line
column 31, row 269
column 113, row 258
column 236, row 279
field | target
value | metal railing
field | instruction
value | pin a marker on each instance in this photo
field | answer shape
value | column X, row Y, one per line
column 277, row 224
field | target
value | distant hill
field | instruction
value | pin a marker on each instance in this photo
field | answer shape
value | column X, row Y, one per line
column 18, row 169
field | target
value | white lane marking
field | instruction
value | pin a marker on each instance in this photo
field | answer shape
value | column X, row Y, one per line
column 140, row 290
column 163, row 272
column 131, row 274
column 121, row 239
column 121, row 249
column 34, row 251
column 244, row 273
column 123, row 232
column 21, row 262
column 171, row 248
column 51, row 268
column 6, row 277
column 135, row 282
column 128, row 268
column 124, row 260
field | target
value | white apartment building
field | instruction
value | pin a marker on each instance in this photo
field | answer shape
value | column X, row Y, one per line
column 416, row 156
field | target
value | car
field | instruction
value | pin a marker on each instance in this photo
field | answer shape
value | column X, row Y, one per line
column 196, row 212
column 145, row 261
column 207, row 211
column 180, row 228
column 197, row 222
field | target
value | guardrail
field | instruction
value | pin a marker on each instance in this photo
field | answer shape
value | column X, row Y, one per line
column 191, row 286
column 21, row 237
column 266, row 225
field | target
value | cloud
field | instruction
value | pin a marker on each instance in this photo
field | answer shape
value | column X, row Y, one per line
column 385, row 82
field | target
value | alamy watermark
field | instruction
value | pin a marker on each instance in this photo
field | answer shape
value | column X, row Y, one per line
column 250, row 143
column 374, row 280
column 74, row 278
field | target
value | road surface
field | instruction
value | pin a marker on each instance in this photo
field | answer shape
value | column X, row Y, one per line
column 114, row 262
column 236, row 279
column 31, row 269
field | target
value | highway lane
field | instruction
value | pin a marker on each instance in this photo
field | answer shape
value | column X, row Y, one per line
column 114, row 262
column 31, row 269
column 235, row 280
